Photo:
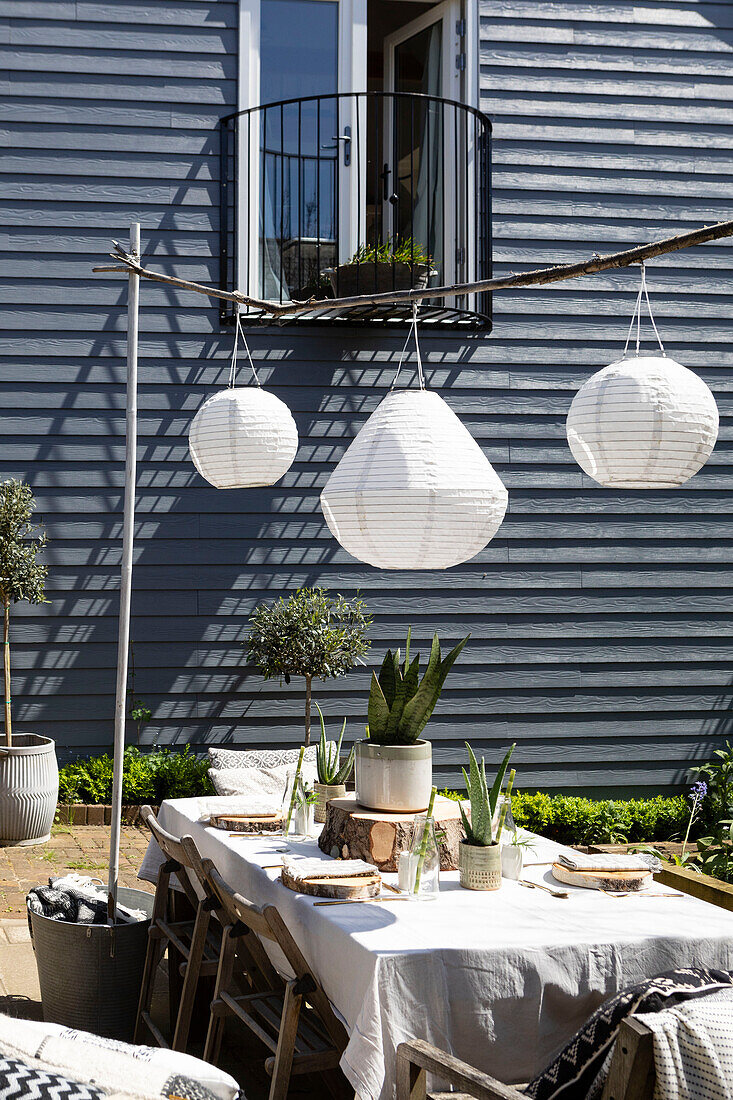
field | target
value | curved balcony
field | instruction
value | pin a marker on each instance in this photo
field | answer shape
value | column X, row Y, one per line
column 357, row 193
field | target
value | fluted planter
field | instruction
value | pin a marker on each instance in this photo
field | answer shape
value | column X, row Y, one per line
column 29, row 788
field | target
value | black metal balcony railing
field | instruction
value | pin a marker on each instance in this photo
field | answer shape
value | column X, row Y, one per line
column 357, row 193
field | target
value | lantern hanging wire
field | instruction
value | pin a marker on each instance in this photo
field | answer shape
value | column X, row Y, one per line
column 239, row 331
column 412, row 331
column 636, row 316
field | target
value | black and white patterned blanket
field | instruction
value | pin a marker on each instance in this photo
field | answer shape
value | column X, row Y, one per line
column 578, row 1072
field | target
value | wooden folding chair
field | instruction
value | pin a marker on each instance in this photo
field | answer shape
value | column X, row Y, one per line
column 292, row 1017
column 193, row 947
column 631, row 1073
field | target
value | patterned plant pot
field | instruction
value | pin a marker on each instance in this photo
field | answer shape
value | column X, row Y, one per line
column 325, row 792
column 479, row 868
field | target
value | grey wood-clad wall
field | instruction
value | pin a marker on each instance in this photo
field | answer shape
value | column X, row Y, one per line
column 600, row 620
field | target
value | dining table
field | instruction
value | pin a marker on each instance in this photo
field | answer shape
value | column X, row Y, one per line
column 499, row 978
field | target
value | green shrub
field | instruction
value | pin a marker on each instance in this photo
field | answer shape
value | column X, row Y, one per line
column 572, row 820
column 146, row 777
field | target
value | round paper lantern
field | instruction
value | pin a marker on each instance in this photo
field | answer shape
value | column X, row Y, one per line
column 644, row 422
column 242, row 437
column 414, row 490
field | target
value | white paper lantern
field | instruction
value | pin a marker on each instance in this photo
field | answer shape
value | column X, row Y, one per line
column 644, row 422
column 414, row 490
column 243, row 437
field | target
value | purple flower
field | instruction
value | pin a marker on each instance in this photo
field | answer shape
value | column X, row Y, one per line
column 698, row 790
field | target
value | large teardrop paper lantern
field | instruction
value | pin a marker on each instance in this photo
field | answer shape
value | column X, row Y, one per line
column 414, row 490
column 644, row 422
column 242, row 437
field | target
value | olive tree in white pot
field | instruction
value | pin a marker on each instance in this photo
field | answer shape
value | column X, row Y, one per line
column 29, row 775
column 394, row 765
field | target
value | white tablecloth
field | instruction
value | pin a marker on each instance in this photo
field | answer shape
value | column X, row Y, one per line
column 500, row 979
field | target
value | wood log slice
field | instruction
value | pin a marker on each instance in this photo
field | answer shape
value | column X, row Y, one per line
column 350, row 888
column 353, row 832
column 622, row 881
column 246, row 823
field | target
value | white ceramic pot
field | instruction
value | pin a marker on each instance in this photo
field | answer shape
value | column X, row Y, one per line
column 325, row 792
column 396, row 778
column 479, row 868
column 29, row 788
column 512, row 861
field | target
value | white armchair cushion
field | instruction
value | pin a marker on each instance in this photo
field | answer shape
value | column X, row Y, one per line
column 112, row 1068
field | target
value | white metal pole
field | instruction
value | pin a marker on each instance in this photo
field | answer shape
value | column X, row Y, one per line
column 123, row 634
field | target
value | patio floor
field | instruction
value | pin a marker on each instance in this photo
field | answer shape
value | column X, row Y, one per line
column 83, row 848
column 80, row 848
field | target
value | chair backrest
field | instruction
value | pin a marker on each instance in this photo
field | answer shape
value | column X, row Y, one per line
column 267, row 924
column 176, row 850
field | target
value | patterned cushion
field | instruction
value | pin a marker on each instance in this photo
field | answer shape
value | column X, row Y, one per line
column 258, row 758
column 261, row 789
column 106, row 1067
column 19, row 1081
column 578, row 1071
column 693, row 1048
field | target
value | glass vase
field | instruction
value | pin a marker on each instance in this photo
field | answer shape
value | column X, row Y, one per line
column 420, row 867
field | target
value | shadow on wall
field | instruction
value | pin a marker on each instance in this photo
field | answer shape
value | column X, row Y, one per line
column 204, row 558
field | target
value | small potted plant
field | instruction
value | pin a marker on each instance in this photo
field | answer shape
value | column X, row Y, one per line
column 398, row 265
column 479, row 854
column 394, row 769
column 332, row 774
column 310, row 634
column 29, row 775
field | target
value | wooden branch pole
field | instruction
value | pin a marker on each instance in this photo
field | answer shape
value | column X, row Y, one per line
column 123, row 632
column 539, row 277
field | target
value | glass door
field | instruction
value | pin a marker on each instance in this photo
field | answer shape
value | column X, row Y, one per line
column 418, row 180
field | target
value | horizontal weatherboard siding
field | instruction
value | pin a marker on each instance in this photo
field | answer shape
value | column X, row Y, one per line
column 600, row 620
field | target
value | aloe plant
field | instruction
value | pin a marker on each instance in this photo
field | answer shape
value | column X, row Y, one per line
column 399, row 703
column 479, row 829
column 331, row 771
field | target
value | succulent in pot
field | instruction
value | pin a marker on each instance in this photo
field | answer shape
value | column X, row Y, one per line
column 394, row 768
column 479, row 855
column 332, row 774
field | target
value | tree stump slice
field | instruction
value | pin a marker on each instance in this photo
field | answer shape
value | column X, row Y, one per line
column 245, row 823
column 349, row 889
column 353, row 832
column 621, row 881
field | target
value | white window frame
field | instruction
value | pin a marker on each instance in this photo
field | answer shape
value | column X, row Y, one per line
column 352, row 77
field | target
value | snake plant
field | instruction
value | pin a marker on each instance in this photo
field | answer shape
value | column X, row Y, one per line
column 479, row 829
column 399, row 703
column 331, row 772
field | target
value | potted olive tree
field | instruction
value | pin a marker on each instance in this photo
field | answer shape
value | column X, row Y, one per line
column 394, row 765
column 479, row 855
column 310, row 634
column 29, row 775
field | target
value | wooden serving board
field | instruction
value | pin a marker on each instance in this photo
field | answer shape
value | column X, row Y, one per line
column 353, row 832
column 247, row 823
column 626, row 881
column 351, row 888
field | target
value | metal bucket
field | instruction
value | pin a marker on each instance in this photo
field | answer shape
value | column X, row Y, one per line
column 90, row 974
column 29, row 789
